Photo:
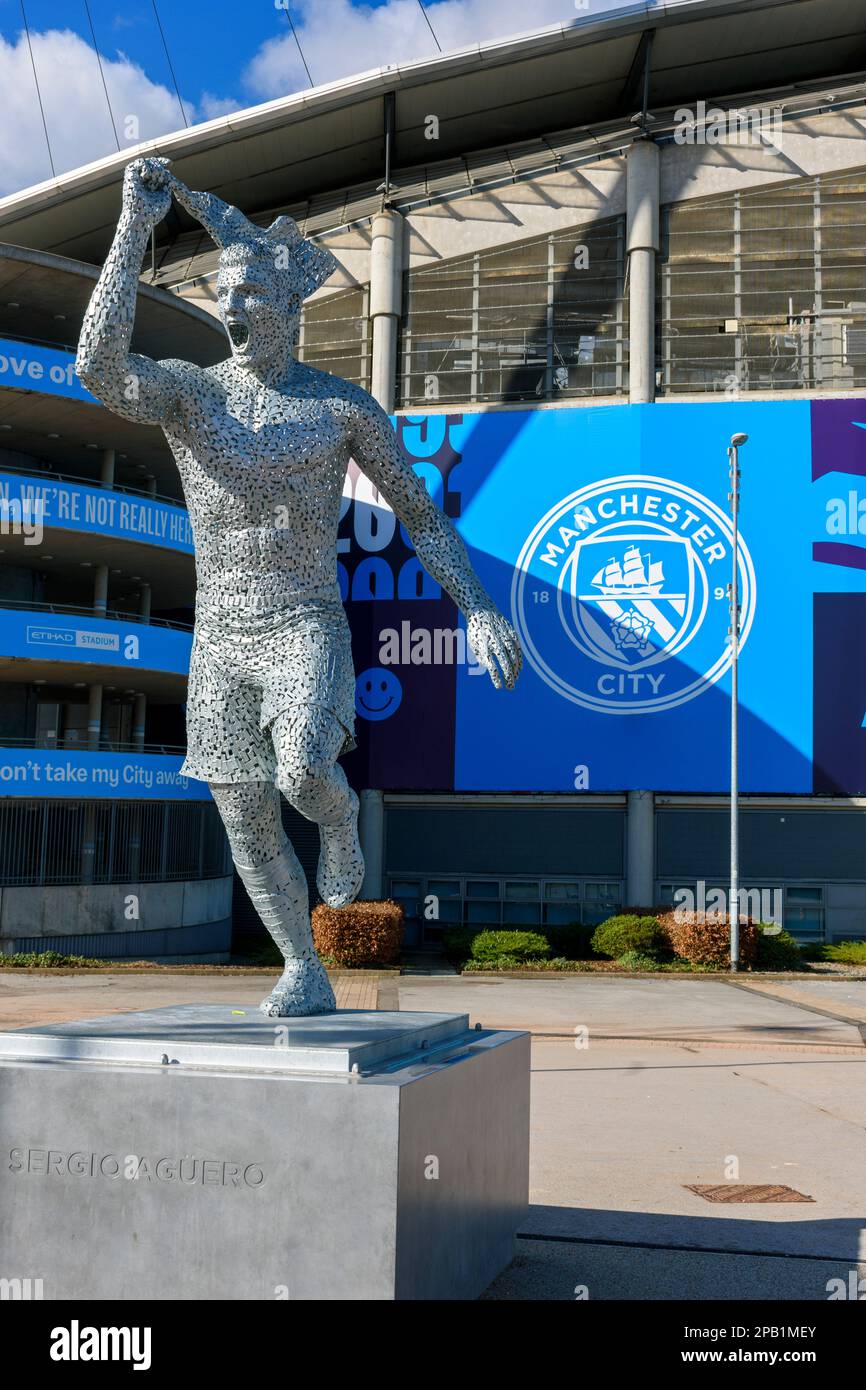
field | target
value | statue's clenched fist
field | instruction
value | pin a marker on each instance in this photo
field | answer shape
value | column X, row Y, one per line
column 147, row 189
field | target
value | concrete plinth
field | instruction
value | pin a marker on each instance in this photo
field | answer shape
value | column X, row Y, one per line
column 210, row 1153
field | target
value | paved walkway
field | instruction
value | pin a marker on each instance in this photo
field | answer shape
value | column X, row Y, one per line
column 679, row 1009
column 49, row 997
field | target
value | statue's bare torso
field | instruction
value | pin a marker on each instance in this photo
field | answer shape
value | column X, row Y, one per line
column 263, row 471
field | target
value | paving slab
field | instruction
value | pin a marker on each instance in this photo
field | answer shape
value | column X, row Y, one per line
column 682, row 1009
column 840, row 997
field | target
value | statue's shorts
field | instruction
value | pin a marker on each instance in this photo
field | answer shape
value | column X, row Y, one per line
column 241, row 681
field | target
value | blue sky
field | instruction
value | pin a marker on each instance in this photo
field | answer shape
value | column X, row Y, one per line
column 226, row 54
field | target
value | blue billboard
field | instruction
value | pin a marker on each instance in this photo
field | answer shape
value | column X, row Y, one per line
column 41, row 503
column 605, row 535
column 51, row 372
column 56, row 772
column 104, row 642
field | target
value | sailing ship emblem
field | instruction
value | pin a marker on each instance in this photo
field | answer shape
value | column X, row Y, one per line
column 635, row 606
column 619, row 594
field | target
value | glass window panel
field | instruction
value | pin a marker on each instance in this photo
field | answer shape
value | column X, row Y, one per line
column 408, row 894
column 444, row 887
column 521, row 914
column 800, row 894
column 602, row 892
column 562, row 892
column 561, row 914
column 593, row 913
column 449, row 912
column 479, row 327
column 519, row 891
column 482, row 914
column 482, row 888
column 804, row 921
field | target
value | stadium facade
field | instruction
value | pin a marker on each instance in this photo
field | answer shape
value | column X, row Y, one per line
column 572, row 264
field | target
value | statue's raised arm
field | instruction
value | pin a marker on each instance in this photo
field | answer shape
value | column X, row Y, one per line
column 127, row 383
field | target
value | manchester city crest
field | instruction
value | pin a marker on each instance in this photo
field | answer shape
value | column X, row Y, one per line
column 620, row 595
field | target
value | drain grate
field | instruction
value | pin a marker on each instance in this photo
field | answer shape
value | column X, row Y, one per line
column 747, row 1192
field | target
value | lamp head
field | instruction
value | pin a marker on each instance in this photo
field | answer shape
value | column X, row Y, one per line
column 738, row 439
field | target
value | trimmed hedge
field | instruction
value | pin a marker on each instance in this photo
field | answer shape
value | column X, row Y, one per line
column 708, row 941
column 516, row 946
column 628, row 932
column 364, row 933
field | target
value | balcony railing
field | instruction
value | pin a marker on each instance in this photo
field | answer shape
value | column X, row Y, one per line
column 86, row 611
column 55, row 477
column 80, row 745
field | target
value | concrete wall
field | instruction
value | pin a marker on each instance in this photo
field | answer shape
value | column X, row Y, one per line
column 112, row 918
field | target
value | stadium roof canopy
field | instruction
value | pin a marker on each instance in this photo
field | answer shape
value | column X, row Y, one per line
column 591, row 75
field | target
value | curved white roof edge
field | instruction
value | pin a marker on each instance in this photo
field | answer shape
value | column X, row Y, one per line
column 345, row 91
column 68, row 265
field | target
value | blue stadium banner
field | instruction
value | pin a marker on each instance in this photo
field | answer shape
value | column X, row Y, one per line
column 605, row 535
column 29, row 367
column 64, row 772
column 25, row 632
column 46, row 502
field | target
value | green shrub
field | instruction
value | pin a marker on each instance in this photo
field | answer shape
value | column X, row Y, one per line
column 638, row 960
column 847, row 952
column 457, row 943
column 628, row 932
column 777, row 952
column 42, row 960
column 558, row 963
column 519, row 946
column 571, row 942
column 495, row 963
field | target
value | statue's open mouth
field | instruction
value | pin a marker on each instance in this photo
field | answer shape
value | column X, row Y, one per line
column 239, row 334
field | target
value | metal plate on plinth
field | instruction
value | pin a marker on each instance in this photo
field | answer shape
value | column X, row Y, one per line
column 222, row 1035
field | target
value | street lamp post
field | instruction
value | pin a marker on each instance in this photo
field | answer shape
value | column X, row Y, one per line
column 734, row 633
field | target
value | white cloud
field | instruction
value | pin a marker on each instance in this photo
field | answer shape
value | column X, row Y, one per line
column 79, row 126
column 339, row 38
column 210, row 106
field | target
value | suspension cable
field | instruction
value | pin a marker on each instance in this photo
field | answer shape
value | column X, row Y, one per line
column 284, row 6
column 38, row 92
column 429, row 25
column 170, row 64
column 101, row 73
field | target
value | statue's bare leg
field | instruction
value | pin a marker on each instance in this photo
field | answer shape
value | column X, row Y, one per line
column 271, row 874
column 307, row 742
